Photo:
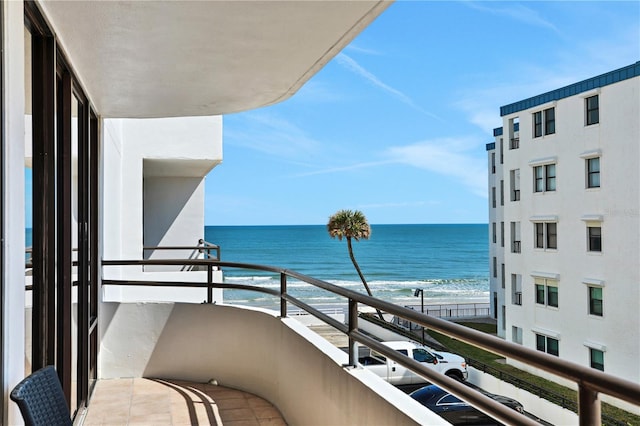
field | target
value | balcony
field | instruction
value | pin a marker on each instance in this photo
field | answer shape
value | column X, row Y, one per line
column 251, row 349
column 167, row 402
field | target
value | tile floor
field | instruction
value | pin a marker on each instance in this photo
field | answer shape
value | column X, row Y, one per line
column 171, row 402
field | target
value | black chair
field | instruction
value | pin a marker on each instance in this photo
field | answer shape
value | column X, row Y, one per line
column 41, row 399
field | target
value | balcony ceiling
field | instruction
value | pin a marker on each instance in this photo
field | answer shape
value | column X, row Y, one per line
column 191, row 58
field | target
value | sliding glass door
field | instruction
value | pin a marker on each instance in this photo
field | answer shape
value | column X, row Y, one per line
column 65, row 150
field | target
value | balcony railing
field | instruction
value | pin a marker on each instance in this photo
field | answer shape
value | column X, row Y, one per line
column 590, row 382
column 515, row 246
column 514, row 143
column 454, row 310
column 517, row 298
column 209, row 251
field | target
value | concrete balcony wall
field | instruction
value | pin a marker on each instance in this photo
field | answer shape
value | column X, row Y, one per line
column 253, row 350
column 148, row 164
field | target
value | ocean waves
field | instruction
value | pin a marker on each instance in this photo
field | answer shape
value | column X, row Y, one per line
column 448, row 262
column 398, row 292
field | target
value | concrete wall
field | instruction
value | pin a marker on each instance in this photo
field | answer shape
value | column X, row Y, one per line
column 280, row 360
column 153, row 173
column 13, row 202
column 171, row 205
column 135, row 150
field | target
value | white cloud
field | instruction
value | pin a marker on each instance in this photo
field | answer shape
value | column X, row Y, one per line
column 344, row 168
column 315, row 91
column 448, row 156
column 515, row 11
column 572, row 61
column 354, row 67
column 271, row 134
column 355, row 48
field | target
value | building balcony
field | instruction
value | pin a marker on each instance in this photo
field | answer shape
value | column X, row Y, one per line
column 277, row 358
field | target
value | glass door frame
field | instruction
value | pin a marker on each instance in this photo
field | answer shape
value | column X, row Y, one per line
column 54, row 89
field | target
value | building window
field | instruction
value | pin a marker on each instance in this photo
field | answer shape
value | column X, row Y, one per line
column 596, row 359
column 503, row 276
column 594, row 238
column 552, row 296
column 546, row 235
column 516, row 334
column 502, row 193
column 540, row 294
column 495, row 267
column 552, row 235
column 493, row 162
column 537, row 124
column 546, row 292
column 592, row 110
column 494, row 232
column 544, row 122
column 501, row 151
column 595, row 301
column 593, row 172
column 493, row 196
column 544, row 178
column 502, row 234
column 550, row 177
column 547, row 344
column 539, row 237
column 515, row 237
column 549, row 121
column 515, row 184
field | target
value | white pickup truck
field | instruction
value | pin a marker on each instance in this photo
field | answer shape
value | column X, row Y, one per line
column 444, row 362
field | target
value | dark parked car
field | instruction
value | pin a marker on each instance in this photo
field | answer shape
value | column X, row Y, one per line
column 456, row 411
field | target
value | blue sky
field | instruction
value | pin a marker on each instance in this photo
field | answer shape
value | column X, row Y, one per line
column 396, row 124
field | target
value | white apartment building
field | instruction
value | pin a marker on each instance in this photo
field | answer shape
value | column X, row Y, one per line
column 564, row 222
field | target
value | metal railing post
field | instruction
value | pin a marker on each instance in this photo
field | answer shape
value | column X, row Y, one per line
column 209, row 283
column 588, row 406
column 353, row 326
column 283, row 291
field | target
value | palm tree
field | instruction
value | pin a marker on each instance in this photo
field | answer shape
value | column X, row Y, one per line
column 351, row 224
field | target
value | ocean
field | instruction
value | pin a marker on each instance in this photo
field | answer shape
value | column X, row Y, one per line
column 449, row 262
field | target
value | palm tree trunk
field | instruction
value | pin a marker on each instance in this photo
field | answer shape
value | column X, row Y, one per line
column 355, row 264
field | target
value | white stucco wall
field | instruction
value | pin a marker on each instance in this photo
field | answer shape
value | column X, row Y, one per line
column 615, row 206
column 153, row 174
column 193, row 143
column 13, row 333
column 280, row 360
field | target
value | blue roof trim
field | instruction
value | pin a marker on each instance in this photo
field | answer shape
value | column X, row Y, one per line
column 491, row 146
column 497, row 131
column 573, row 89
